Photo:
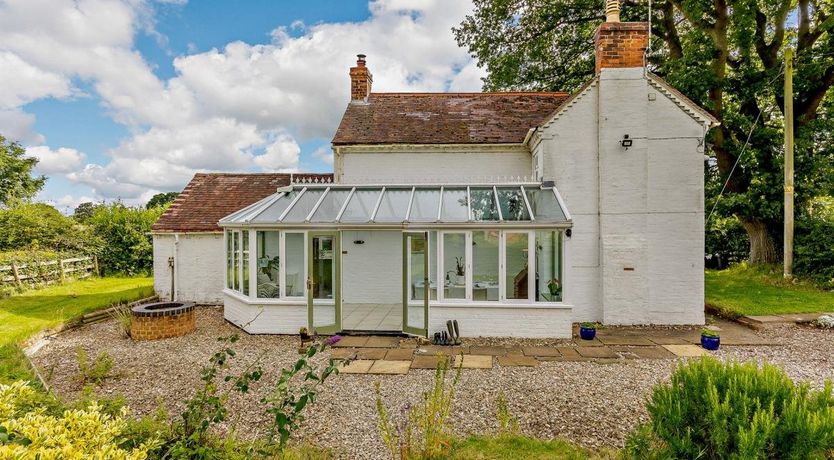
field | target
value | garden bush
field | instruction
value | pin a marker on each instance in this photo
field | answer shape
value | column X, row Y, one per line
column 122, row 234
column 715, row 410
column 814, row 249
column 39, row 225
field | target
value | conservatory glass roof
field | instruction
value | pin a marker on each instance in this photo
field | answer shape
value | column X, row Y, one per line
column 406, row 205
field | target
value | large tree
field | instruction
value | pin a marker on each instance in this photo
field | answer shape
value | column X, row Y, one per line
column 725, row 56
column 16, row 180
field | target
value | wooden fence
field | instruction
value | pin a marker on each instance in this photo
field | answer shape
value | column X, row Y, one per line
column 49, row 271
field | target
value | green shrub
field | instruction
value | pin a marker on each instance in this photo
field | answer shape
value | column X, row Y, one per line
column 716, row 410
column 122, row 234
column 814, row 249
column 726, row 242
column 96, row 372
column 39, row 225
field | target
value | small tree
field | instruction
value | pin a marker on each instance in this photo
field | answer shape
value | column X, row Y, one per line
column 16, row 180
column 161, row 199
column 123, row 234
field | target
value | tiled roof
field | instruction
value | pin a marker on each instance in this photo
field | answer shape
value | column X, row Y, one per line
column 212, row 196
column 445, row 118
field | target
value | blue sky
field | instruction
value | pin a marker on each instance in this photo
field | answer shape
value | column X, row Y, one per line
column 120, row 99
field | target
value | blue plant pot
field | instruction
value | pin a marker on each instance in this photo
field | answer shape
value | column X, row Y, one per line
column 710, row 343
column 587, row 333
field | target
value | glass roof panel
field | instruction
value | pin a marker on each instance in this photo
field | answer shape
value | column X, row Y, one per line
column 544, row 205
column 274, row 211
column 424, row 206
column 361, row 205
column 483, row 204
column 394, row 205
column 512, row 204
column 301, row 209
column 455, row 208
column 330, row 206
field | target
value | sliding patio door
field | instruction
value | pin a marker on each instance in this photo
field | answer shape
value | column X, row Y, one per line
column 324, row 312
column 416, row 283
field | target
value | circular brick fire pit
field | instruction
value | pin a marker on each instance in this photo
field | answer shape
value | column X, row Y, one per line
column 161, row 320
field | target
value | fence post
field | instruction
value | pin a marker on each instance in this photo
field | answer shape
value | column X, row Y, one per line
column 95, row 265
column 16, row 274
column 61, row 267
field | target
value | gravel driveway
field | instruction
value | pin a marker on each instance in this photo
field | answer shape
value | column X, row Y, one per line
column 591, row 403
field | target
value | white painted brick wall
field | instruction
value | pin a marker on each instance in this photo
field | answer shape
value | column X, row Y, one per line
column 431, row 166
column 372, row 272
column 200, row 266
column 511, row 321
column 265, row 319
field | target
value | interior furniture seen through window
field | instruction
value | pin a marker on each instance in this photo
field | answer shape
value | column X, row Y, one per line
column 268, row 265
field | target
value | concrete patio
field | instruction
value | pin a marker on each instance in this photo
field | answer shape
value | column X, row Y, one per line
column 395, row 355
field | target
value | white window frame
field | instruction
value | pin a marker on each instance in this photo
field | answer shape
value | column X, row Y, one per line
column 283, row 264
column 467, row 241
column 531, row 276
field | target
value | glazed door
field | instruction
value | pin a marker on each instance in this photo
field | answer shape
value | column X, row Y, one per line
column 416, row 283
column 324, row 309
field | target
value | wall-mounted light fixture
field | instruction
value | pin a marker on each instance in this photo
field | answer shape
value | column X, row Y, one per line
column 626, row 142
column 568, row 232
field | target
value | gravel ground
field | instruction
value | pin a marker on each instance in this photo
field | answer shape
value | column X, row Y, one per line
column 591, row 403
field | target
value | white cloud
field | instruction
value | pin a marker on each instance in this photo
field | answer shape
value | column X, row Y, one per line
column 324, row 154
column 60, row 161
column 242, row 107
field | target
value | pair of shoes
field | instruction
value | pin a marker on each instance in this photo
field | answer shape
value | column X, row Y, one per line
column 454, row 332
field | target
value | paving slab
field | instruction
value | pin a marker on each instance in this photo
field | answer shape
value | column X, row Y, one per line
column 389, row 367
column 356, row 367
column 589, row 343
column 804, row 317
column 489, row 350
column 655, row 352
column 381, row 342
column 596, row 352
column 517, row 361
column 443, row 350
column 427, row 361
column 768, row 319
column 351, row 341
column 399, row 354
column 370, row 353
column 541, row 351
column 568, row 352
column 669, row 340
column 343, row 353
column 686, row 351
column 474, row 361
column 617, row 339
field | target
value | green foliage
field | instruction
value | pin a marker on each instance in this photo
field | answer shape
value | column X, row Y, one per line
column 295, row 389
column 39, row 225
column 716, row 410
column 425, row 433
column 814, row 247
column 84, row 211
column 710, row 333
column 16, row 180
column 123, row 317
column 161, row 200
column 726, row 242
column 507, row 424
column 96, row 372
column 762, row 290
column 122, row 234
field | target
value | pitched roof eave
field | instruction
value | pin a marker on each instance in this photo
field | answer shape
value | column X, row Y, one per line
column 694, row 110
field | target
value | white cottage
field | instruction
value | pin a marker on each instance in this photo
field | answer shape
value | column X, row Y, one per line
column 515, row 213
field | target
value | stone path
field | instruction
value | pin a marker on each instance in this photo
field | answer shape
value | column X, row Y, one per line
column 387, row 355
column 764, row 321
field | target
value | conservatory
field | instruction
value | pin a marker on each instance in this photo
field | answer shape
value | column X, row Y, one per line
column 397, row 258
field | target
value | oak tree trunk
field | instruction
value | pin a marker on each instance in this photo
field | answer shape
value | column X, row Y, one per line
column 762, row 247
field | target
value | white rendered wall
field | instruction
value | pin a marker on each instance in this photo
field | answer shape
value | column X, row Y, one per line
column 504, row 321
column 372, row 271
column 200, row 263
column 636, row 254
column 254, row 318
column 431, row 166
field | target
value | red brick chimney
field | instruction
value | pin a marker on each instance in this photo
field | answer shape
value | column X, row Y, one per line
column 360, row 80
column 620, row 44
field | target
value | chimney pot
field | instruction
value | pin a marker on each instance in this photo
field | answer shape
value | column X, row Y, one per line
column 360, row 60
column 612, row 11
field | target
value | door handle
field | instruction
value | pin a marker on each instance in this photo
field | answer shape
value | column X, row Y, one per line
column 310, row 283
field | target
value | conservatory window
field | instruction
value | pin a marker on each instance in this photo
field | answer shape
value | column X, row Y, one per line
column 236, row 261
column 454, row 265
column 230, row 266
column 268, row 265
column 516, row 279
column 294, row 268
column 485, row 265
column 245, row 262
column 548, row 266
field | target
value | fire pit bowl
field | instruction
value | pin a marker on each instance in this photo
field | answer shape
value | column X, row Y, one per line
column 161, row 320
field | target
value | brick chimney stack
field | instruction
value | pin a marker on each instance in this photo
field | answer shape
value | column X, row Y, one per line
column 620, row 44
column 360, row 80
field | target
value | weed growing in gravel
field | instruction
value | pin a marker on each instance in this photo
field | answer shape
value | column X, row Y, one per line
column 96, row 372
column 425, row 431
column 288, row 400
column 716, row 410
column 123, row 318
column 508, row 425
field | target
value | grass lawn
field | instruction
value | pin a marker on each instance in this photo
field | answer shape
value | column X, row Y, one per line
column 25, row 314
column 743, row 290
column 501, row 447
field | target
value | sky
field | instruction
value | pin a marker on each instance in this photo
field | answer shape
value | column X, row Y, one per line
column 122, row 99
